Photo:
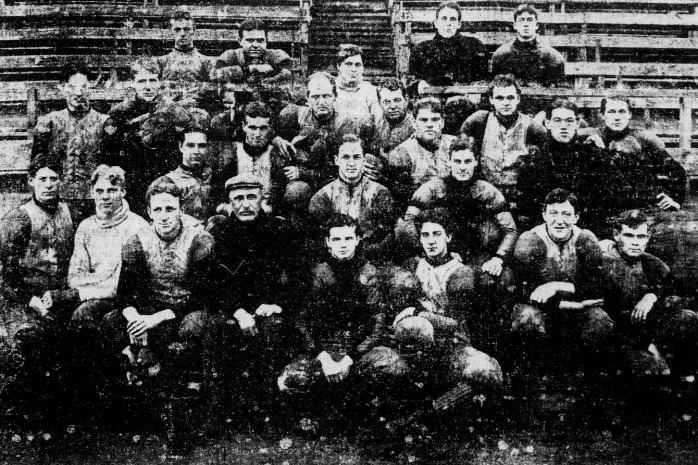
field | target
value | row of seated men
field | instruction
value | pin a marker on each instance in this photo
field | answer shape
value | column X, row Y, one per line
column 440, row 261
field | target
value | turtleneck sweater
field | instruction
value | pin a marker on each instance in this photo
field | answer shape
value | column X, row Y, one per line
column 444, row 62
column 532, row 61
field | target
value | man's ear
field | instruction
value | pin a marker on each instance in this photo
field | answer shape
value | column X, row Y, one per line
column 449, row 237
column 546, row 122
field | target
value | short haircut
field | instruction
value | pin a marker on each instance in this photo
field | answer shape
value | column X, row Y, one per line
column 114, row 174
column 631, row 218
column 322, row 75
column 347, row 50
column 257, row 110
column 252, row 24
column 525, row 8
column 437, row 215
column 561, row 103
column 604, row 102
column 392, row 84
column 180, row 15
column 163, row 185
column 73, row 68
column 146, row 64
column 504, row 80
column 428, row 103
column 463, row 142
column 351, row 139
column 340, row 220
column 199, row 121
column 561, row 196
column 451, row 5
column 45, row 161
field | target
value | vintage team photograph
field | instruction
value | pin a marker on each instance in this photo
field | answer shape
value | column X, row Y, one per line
column 349, row 232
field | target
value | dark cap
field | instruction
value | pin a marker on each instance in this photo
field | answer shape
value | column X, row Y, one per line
column 243, row 181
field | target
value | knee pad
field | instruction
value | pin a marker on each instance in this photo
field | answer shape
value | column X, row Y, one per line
column 193, row 325
column 382, row 363
column 414, row 331
column 528, row 321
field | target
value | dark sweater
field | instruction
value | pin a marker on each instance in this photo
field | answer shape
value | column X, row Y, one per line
column 444, row 62
column 529, row 62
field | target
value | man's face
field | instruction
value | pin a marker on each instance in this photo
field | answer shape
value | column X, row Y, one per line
column 632, row 241
column 526, row 26
column 166, row 214
column 394, row 105
column 463, row 165
column 562, row 125
column 350, row 161
column 342, row 242
column 428, row 125
column 183, row 31
column 253, row 43
column 77, row 92
column 246, row 203
column 108, row 197
column 321, row 97
column 559, row 219
column 505, row 100
column 45, row 184
column 617, row 115
column 257, row 131
column 194, row 148
column 434, row 240
column 147, row 85
column 351, row 69
column 447, row 23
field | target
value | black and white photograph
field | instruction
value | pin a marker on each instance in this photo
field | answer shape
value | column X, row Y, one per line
column 288, row 232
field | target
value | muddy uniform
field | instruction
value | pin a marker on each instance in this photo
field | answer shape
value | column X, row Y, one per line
column 76, row 139
column 232, row 66
column 185, row 70
column 386, row 137
column 367, row 202
column 36, row 242
column 196, row 191
column 626, row 281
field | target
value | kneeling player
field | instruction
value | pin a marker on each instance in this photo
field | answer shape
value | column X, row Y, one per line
column 430, row 336
column 638, row 297
column 342, row 318
column 559, row 265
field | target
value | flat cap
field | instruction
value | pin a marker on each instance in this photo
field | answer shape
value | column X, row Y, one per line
column 243, row 181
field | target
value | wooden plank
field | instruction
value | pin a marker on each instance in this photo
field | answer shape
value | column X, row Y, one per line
column 623, row 41
column 667, row 20
column 29, row 35
column 636, row 3
column 651, row 70
column 217, row 12
column 566, row 92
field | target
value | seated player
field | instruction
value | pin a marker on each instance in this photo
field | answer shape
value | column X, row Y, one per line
column 226, row 128
column 253, row 62
column 141, row 133
column 657, row 181
column 253, row 251
column 356, row 98
column 362, row 199
column 36, row 241
column 528, row 57
column 449, row 58
column 559, row 266
column 564, row 160
column 484, row 236
column 396, row 125
column 502, row 137
column 433, row 345
column 312, row 134
column 193, row 175
column 256, row 155
column 638, row 296
column 73, row 135
column 184, row 66
column 421, row 157
column 342, row 318
column 96, row 262
column 164, row 290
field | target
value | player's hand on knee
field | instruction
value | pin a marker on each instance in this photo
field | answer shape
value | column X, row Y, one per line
column 493, row 266
column 667, row 203
column 265, row 310
column 543, row 293
column 246, row 322
column 643, row 308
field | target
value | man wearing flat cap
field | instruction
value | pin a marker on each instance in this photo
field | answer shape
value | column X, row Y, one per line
column 253, row 261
